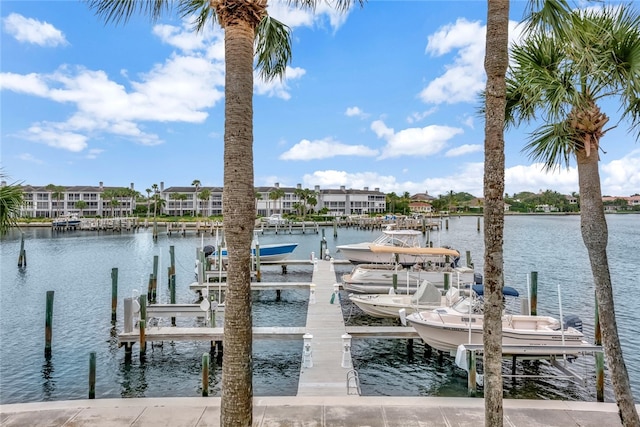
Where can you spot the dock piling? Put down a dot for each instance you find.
(534, 293)
(205, 374)
(92, 375)
(48, 325)
(22, 256)
(114, 294)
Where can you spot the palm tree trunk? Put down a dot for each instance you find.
(495, 63)
(237, 388)
(593, 226)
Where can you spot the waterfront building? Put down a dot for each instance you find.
(44, 202)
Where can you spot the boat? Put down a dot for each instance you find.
(388, 305)
(394, 245)
(428, 296)
(378, 278)
(70, 220)
(447, 327)
(270, 252)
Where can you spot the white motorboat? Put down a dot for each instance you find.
(361, 252)
(445, 328)
(378, 278)
(388, 305)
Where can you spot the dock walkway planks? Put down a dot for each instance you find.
(325, 322)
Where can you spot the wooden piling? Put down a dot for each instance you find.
(478, 226)
(154, 282)
(446, 280)
(92, 375)
(143, 342)
(172, 260)
(205, 374)
(258, 273)
(48, 325)
(22, 256)
(471, 360)
(172, 293)
(534, 293)
(114, 294)
(599, 357)
(469, 261)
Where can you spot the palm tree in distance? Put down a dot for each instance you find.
(205, 195)
(246, 25)
(81, 205)
(568, 62)
(276, 195)
(196, 183)
(155, 189)
(148, 191)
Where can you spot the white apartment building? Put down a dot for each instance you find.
(206, 201)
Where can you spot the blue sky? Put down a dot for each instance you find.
(384, 96)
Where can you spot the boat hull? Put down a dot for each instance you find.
(371, 278)
(272, 252)
(445, 334)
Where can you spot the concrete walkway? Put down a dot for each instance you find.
(318, 411)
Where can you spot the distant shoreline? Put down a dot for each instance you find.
(165, 222)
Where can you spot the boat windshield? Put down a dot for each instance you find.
(464, 303)
(399, 238)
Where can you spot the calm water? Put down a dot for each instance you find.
(77, 266)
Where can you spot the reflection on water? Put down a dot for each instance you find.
(49, 382)
(77, 266)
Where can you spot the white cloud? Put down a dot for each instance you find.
(305, 17)
(413, 141)
(621, 177)
(29, 30)
(57, 138)
(355, 112)
(277, 87)
(535, 177)
(463, 149)
(94, 153)
(464, 78)
(28, 157)
(324, 149)
(419, 116)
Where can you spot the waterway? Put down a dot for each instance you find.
(77, 266)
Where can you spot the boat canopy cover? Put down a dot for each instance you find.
(413, 251)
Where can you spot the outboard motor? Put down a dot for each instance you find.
(477, 278)
(572, 321)
(208, 250)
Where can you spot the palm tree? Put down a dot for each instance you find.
(81, 205)
(246, 25)
(50, 188)
(179, 198)
(57, 193)
(258, 196)
(205, 195)
(495, 64)
(568, 62)
(11, 199)
(155, 189)
(276, 195)
(148, 191)
(196, 183)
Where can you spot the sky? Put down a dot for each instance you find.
(384, 96)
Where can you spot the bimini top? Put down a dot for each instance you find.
(413, 251)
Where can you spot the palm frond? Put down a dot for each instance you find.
(339, 5)
(11, 199)
(546, 16)
(552, 144)
(273, 48)
(120, 11)
(200, 10)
